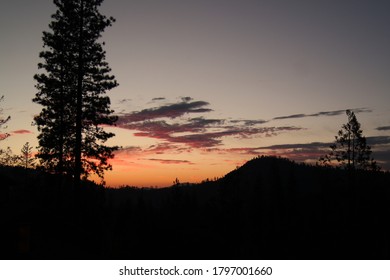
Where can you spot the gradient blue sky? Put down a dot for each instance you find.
(206, 85)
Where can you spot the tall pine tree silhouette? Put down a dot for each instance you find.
(350, 149)
(72, 90)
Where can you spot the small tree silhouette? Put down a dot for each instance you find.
(176, 182)
(27, 157)
(3, 121)
(350, 149)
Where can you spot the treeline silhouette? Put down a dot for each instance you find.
(270, 208)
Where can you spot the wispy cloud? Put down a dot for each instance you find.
(311, 146)
(197, 132)
(187, 99)
(249, 122)
(171, 111)
(158, 149)
(323, 114)
(378, 140)
(3, 136)
(177, 134)
(296, 116)
(166, 123)
(373, 141)
(298, 151)
(311, 152)
(21, 131)
(382, 128)
(164, 148)
(130, 150)
(171, 161)
(125, 100)
(381, 150)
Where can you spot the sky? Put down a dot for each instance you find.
(206, 85)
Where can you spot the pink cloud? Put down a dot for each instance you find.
(199, 132)
(170, 161)
(3, 136)
(21, 131)
(196, 132)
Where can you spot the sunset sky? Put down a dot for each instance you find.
(205, 85)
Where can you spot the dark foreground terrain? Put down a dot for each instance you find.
(269, 208)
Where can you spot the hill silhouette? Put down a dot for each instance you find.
(270, 208)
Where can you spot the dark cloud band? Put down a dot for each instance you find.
(382, 128)
(167, 111)
(323, 114)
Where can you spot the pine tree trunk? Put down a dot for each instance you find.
(60, 168)
(353, 152)
(79, 107)
(349, 148)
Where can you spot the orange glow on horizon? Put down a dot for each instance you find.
(162, 175)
